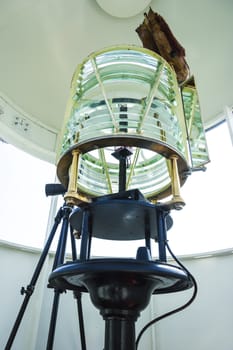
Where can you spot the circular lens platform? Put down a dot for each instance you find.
(114, 278)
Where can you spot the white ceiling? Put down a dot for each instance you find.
(41, 43)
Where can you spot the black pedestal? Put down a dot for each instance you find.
(120, 289)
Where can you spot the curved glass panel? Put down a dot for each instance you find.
(195, 128)
(144, 167)
(141, 97)
(124, 97)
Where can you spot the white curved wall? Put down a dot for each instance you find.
(206, 324)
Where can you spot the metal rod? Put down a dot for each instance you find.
(175, 182)
(73, 245)
(85, 237)
(78, 296)
(73, 172)
(162, 234)
(122, 173)
(147, 233)
(121, 154)
(71, 194)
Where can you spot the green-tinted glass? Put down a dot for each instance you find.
(195, 128)
(124, 96)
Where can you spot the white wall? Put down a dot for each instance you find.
(206, 324)
(16, 269)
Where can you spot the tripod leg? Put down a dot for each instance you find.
(53, 319)
(78, 296)
(30, 288)
(61, 247)
(58, 260)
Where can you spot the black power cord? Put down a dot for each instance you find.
(180, 308)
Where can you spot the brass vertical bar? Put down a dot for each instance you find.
(175, 183)
(74, 172)
(71, 194)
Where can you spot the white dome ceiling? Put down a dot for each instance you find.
(43, 41)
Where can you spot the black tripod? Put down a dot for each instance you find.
(62, 215)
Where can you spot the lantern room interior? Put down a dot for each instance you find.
(116, 132)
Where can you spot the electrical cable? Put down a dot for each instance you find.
(180, 308)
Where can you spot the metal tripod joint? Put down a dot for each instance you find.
(29, 290)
